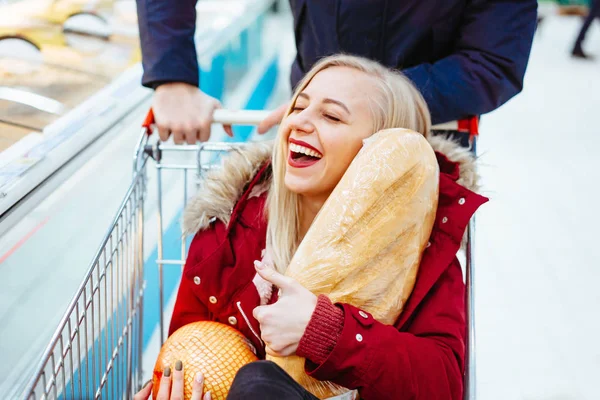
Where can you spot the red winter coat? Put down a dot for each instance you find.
(420, 357)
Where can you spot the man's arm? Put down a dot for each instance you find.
(488, 64)
(167, 31)
(181, 109)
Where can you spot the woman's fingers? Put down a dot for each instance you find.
(165, 385)
(177, 385)
(197, 387)
(207, 396)
(145, 393)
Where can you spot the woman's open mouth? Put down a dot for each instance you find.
(301, 156)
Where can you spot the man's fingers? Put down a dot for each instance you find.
(204, 130)
(177, 385)
(272, 119)
(165, 385)
(197, 387)
(228, 130)
(191, 137)
(178, 136)
(163, 132)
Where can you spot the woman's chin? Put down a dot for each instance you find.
(298, 185)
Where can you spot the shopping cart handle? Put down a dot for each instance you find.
(225, 117)
(254, 117)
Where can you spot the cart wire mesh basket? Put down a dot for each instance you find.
(96, 351)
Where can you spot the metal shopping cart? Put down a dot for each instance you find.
(96, 351)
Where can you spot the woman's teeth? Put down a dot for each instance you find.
(304, 150)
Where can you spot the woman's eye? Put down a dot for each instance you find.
(332, 118)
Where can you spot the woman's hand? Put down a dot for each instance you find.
(283, 324)
(171, 388)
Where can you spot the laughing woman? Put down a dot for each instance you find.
(268, 199)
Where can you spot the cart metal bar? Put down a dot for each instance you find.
(255, 117)
(87, 351)
(171, 262)
(470, 387)
(470, 372)
(160, 251)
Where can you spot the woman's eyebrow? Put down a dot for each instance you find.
(339, 103)
(328, 100)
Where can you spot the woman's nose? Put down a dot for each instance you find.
(301, 121)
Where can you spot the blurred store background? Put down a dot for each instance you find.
(71, 105)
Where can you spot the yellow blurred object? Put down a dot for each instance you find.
(53, 12)
(41, 21)
(38, 35)
(216, 350)
(58, 11)
(365, 245)
(72, 33)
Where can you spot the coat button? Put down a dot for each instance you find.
(428, 244)
(363, 314)
(444, 220)
(232, 320)
(461, 201)
(197, 280)
(212, 299)
(359, 337)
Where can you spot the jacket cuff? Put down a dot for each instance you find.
(322, 331)
(347, 364)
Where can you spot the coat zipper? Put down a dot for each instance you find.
(239, 306)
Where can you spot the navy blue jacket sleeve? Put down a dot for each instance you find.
(487, 65)
(167, 29)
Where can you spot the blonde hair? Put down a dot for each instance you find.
(397, 104)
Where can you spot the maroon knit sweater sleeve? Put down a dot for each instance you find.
(322, 331)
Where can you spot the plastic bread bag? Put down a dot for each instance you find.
(365, 245)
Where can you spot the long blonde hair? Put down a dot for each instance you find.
(397, 104)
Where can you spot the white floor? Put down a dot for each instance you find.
(538, 268)
(538, 272)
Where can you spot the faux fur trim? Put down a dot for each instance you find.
(221, 188)
(464, 157)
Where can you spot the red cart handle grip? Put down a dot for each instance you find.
(148, 122)
(469, 125)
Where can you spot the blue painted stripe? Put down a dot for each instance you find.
(257, 101)
(88, 374)
(171, 274)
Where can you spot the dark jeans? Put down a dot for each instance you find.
(594, 13)
(265, 380)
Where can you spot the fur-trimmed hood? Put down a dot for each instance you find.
(221, 188)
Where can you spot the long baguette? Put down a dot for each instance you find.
(365, 245)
